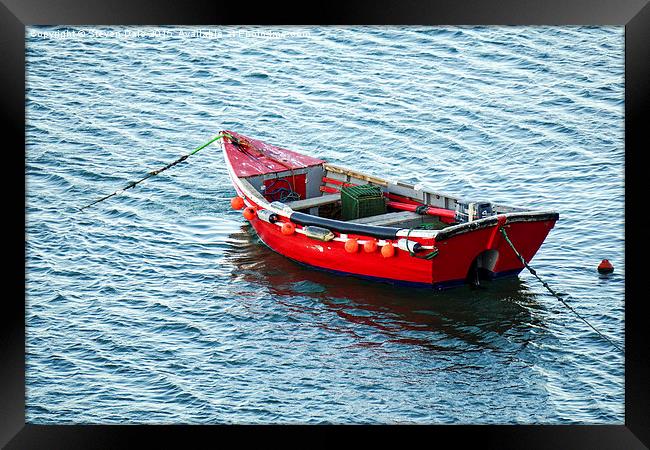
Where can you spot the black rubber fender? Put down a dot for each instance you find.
(345, 227)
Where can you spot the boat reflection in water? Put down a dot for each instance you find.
(500, 315)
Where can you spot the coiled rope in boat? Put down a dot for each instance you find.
(555, 294)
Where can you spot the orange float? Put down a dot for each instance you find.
(370, 246)
(288, 228)
(237, 202)
(605, 266)
(249, 213)
(388, 250)
(351, 246)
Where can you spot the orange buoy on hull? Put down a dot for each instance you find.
(237, 203)
(351, 246)
(370, 246)
(605, 266)
(249, 213)
(287, 228)
(388, 250)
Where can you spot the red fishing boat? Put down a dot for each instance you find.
(352, 223)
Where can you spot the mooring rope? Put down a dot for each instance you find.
(156, 172)
(555, 294)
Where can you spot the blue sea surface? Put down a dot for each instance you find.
(160, 305)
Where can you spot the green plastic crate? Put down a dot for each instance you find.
(361, 201)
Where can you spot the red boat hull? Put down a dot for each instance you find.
(449, 267)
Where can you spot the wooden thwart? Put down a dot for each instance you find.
(388, 218)
(314, 202)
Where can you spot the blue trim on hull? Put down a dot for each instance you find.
(364, 277)
(506, 273)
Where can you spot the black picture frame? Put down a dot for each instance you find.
(15, 15)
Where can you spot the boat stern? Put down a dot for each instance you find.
(479, 248)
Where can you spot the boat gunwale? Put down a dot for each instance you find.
(513, 217)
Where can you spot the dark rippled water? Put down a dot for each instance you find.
(160, 306)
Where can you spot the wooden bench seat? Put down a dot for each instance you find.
(387, 219)
(314, 202)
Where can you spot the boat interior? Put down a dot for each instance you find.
(315, 190)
